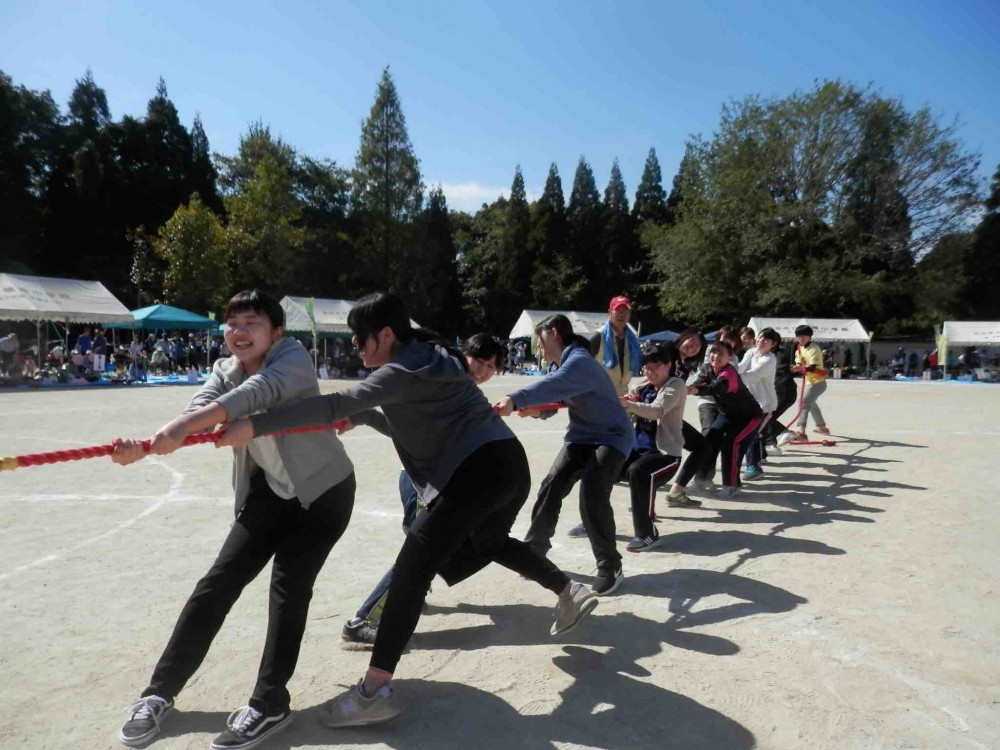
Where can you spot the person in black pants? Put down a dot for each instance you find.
(294, 497)
(598, 439)
(465, 462)
(788, 393)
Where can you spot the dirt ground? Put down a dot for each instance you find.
(847, 600)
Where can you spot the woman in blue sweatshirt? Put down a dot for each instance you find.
(598, 440)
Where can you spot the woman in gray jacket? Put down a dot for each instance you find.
(294, 496)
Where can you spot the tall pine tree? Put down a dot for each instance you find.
(514, 279)
(584, 219)
(388, 191)
(620, 244)
(553, 281)
(650, 199)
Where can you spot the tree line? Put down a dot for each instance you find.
(836, 201)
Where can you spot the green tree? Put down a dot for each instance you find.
(202, 174)
(478, 248)
(554, 281)
(626, 272)
(811, 204)
(983, 290)
(515, 262)
(650, 199)
(387, 190)
(148, 268)
(257, 144)
(327, 265)
(88, 107)
(942, 282)
(192, 244)
(29, 130)
(264, 233)
(584, 219)
(440, 307)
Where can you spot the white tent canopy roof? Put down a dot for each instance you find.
(972, 332)
(582, 322)
(39, 298)
(331, 315)
(824, 329)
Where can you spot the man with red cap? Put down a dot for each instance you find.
(616, 346)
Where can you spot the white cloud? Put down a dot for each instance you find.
(470, 196)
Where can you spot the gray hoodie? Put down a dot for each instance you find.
(436, 415)
(315, 461)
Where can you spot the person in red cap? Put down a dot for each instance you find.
(616, 346)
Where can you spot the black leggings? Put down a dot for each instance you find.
(464, 528)
(267, 527)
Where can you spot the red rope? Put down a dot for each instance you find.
(77, 454)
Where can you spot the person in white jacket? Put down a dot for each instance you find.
(757, 369)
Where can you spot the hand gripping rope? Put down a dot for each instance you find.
(9, 463)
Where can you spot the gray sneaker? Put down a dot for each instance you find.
(144, 717)
(355, 709)
(573, 607)
(577, 532)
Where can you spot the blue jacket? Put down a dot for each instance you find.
(596, 416)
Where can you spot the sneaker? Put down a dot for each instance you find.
(355, 709)
(572, 608)
(577, 532)
(606, 582)
(823, 430)
(727, 491)
(774, 450)
(681, 500)
(358, 634)
(785, 438)
(643, 543)
(144, 717)
(753, 472)
(249, 727)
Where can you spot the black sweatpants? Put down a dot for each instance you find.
(697, 447)
(775, 427)
(267, 527)
(646, 473)
(596, 467)
(464, 528)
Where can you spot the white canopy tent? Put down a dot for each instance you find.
(584, 323)
(330, 314)
(40, 299)
(972, 332)
(966, 333)
(824, 329)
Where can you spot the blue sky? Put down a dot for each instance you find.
(488, 86)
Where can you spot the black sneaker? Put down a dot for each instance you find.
(249, 727)
(144, 717)
(358, 634)
(606, 582)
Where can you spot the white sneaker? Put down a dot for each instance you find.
(727, 491)
(774, 450)
(573, 607)
(355, 709)
(785, 438)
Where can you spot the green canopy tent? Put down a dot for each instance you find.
(166, 317)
